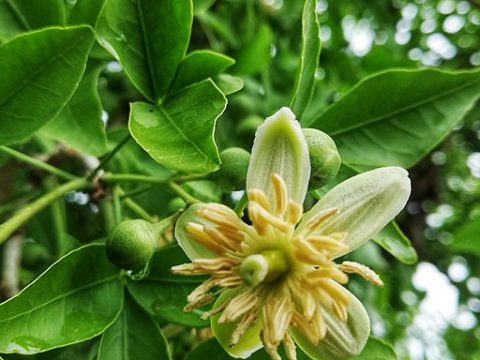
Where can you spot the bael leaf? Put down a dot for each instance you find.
(79, 124)
(75, 299)
(85, 12)
(48, 67)
(133, 332)
(163, 294)
(17, 16)
(179, 134)
(228, 84)
(309, 57)
(465, 238)
(199, 65)
(393, 240)
(149, 38)
(376, 349)
(396, 117)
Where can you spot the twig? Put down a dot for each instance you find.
(12, 255)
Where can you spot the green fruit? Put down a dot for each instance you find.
(324, 158)
(132, 244)
(233, 172)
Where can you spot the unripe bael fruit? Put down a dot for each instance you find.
(132, 244)
(324, 158)
(233, 171)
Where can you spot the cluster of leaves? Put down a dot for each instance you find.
(74, 66)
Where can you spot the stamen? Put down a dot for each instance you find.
(335, 291)
(321, 218)
(221, 238)
(294, 212)
(231, 281)
(241, 328)
(215, 310)
(201, 290)
(199, 302)
(197, 232)
(305, 252)
(365, 272)
(267, 218)
(258, 196)
(241, 304)
(327, 243)
(280, 195)
(289, 347)
(219, 219)
(270, 349)
(332, 272)
(340, 311)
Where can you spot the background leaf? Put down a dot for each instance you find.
(309, 56)
(48, 67)
(376, 349)
(80, 124)
(67, 304)
(133, 335)
(17, 16)
(399, 116)
(164, 295)
(140, 34)
(199, 65)
(466, 237)
(179, 133)
(392, 239)
(86, 12)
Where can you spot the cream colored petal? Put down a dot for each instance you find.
(343, 339)
(366, 203)
(280, 148)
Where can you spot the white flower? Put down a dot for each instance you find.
(277, 276)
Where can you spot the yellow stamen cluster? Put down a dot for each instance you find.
(300, 296)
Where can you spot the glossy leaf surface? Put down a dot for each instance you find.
(79, 124)
(48, 67)
(179, 134)
(376, 349)
(133, 333)
(400, 115)
(140, 34)
(75, 299)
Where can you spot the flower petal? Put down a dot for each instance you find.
(191, 247)
(249, 342)
(366, 204)
(280, 148)
(342, 340)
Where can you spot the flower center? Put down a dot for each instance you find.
(267, 266)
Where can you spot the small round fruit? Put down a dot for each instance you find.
(132, 244)
(324, 158)
(233, 172)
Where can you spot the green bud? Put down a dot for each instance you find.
(233, 172)
(132, 244)
(324, 158)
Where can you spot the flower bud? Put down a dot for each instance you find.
(132, 244)
(233, 172)
(324, 158)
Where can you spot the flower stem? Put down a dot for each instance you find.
(37, 163)
(31, 209)
(189, 199)
(134, 178)
(241, 205)
(108, 157)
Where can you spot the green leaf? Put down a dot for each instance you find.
(305, 80)
(255, 56)
(376, 349)
(17, 16)
(200, 6)
(466, 239)
(197, 66)
(149, 38)
(133, 332)
(393, 240)
(86, 12)
(79, 124)
(48, 67)
(398, 116)
(228, 84)
(180, 133)
(75, 299)
(164, 295)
